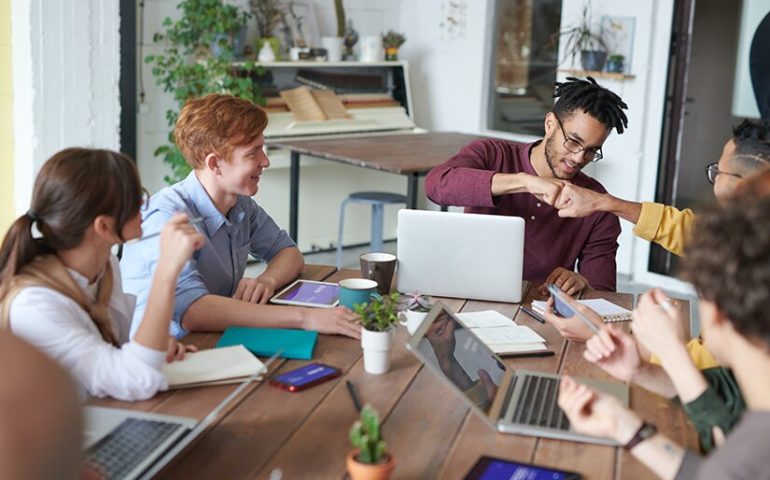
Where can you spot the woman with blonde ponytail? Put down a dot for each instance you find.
(60, 286)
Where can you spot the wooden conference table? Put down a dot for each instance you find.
(412, 155)
(429, 430)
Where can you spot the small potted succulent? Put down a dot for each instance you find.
(391, 42)
(616, 63)
(368, 460)
(377, 319)
(414, 308)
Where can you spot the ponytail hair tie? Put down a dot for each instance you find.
(32, 215)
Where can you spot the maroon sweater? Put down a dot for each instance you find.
(549, 241)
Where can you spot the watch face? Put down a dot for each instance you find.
(647, 431)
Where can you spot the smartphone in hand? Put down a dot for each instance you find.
(305, 377)
(560, 306)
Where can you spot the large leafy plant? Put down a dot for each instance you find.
(189, 67)
(582, 35)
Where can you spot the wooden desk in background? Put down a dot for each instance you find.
(412, 155)
(429, 430)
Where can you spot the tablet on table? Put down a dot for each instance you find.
(309, 293)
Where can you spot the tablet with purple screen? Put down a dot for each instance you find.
(490, 468)
(309, 293)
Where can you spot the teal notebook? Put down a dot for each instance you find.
(264, 342)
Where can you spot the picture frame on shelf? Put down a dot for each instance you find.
(619, 35)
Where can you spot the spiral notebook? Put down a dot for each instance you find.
(609, 311)
(212, 367)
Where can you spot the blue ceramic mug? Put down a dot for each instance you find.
(354, 291)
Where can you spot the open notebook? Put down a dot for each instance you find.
(210, 367)
(502, 334)
(609, 311)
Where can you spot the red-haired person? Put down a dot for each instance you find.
(222, 139)
(61, 290)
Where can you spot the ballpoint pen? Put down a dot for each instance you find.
(193, 221)
(533, 314)
(354, 395)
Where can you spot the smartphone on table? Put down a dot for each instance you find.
(491, 468)
(305, 377)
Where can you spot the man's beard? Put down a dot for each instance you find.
(551, 163)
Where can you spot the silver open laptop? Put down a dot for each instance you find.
(463, 255)
(520, 402)
(124, 444)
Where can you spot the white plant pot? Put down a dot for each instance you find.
(412, 319)
(377, 347)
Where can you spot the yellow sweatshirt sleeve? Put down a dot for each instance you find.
(665, 225)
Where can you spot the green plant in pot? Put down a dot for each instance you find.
(188, 68)
(391, 42)
(378, 317)
(268, 15)
(587, 39)
(368, 460)
(616, 63)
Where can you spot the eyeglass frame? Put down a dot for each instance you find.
(714, 166)
(145, 200)
(598, 154)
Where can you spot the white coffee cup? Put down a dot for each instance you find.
(333, 47)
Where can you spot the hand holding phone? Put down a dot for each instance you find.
(562, 307)
(305, 377)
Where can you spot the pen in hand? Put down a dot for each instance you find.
(193, 221)
(354, 395)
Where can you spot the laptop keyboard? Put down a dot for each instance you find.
(128, 445)
(537, 405)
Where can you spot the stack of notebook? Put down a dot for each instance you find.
(211, 367)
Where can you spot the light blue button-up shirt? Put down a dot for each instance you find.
(214, 269)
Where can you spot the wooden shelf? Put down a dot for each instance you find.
(586, 73)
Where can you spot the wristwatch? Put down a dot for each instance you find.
(645, 431)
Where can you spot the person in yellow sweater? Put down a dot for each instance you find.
(745, 153)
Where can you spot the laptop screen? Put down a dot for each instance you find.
(465, 361)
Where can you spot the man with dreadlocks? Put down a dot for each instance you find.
(501, 177)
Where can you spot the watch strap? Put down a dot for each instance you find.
(645, 431)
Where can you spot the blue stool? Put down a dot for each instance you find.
(377, 200)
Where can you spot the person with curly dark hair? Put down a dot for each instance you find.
(728, 262)
(500, 177)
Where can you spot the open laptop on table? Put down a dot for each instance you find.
(124, 444)
(461, 255)
(510, 401)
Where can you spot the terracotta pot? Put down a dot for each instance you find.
(363, 471)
